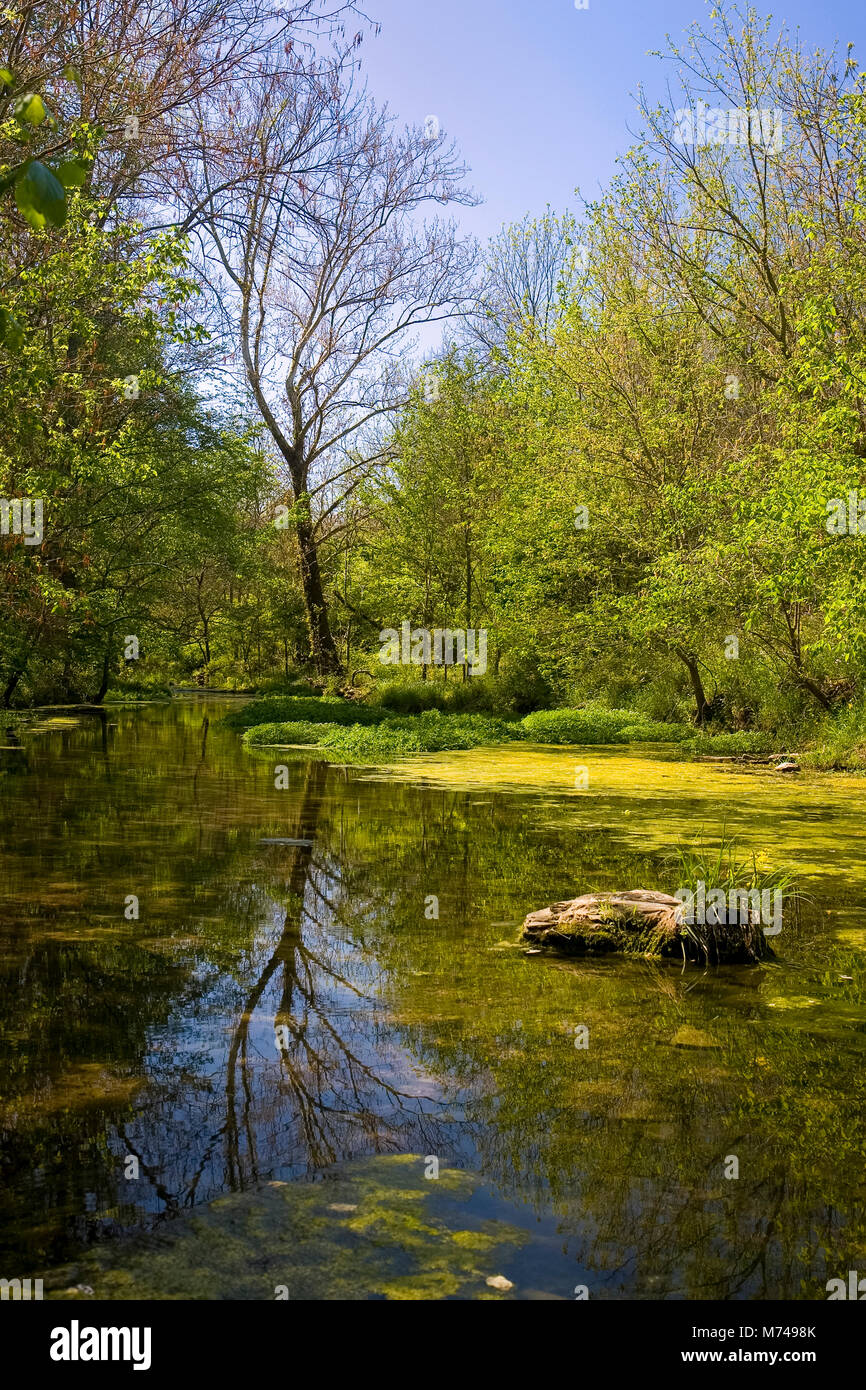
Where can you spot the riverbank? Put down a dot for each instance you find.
(359, 731)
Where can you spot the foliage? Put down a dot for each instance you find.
(280, 709)
(430, 732)
(596, 724)
(727, 744)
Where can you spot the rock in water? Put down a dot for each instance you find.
(641, 922)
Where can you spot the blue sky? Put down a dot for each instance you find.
(539, 96)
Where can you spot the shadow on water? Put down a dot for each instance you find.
(211, 985)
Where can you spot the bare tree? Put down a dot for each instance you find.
(529, 268)
(329, 268)
(138, 71)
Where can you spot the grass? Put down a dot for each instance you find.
(721, 866)
(510, 693)
(728, 744)
(430, 732)
(280, 709)
(597, 724)
(353, 730)
(836, 756)
(840, 744)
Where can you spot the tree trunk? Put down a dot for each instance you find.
(106, 674)
(323, 648)
(815, 690)
(468, 596)
(701, 701)
(10, 686)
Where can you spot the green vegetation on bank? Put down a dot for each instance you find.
(430, 732)
(728, 745)
(357, 731)
(354, 730)
(596, 724)
(283, 709)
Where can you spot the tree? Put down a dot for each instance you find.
(529, 270)
(330, 272)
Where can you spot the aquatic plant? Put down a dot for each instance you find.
(375, 1228)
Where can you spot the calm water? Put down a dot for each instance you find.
(280, 1012)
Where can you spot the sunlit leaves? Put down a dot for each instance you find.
(11, 332)
(40, 196)
(29, 109)
(72, 173)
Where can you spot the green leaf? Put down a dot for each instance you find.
(72, 74)
(72, 173)
(6, 78)
(40, 196)
(11, 332)
(29, 109)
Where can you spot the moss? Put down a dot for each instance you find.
(582, 938)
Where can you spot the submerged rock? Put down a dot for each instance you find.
(640, 922)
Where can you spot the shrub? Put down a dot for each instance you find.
(654, 733)
(520, 687)
(297, 731)
(292, 709)
(840, 742)
(404, 697)
(394, 738)
(513, 691)
(137, 690)
(735, 743)
(431, 732)
(281, 686)
(593, 724)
